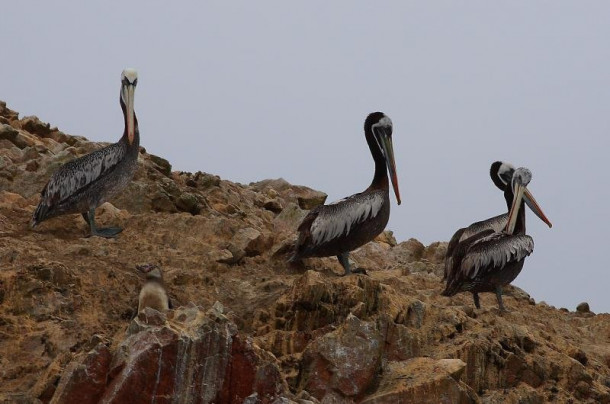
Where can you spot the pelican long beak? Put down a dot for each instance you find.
(514, 209)
(130, 91)
(533, 205)
(388, 153)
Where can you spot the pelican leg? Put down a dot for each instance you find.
(107, 232)
(499, 297)
(475, 297)
(344, 260)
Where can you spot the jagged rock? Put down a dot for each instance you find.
(289, 218)
(273, 205)
(224, 256)
(7, 132)
(435, 252)
(7, 113)
(162, 165)
(162, 202)
(387, 237)
(407, 251)
(583, 307)
(249, 242)
(279, 185)
(84, 381)
(34, 125)
(422, 381)
(344, 361)
(203, 180)
(188, 202)
(522, 394)
(311, 200)
(162, 359)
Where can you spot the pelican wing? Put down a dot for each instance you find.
(495, 251)
(339, 218)
(77, 174)
(496, 223)
(451, 248)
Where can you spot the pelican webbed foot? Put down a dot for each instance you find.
(106, 232)
(344, 260)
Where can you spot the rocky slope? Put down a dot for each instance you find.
(248, 327)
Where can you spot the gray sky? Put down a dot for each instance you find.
(254, 90)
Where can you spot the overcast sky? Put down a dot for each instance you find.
(255, 90)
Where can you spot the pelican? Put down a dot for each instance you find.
(501, 174)
(342, 226)
(81, 185)
(488, 260)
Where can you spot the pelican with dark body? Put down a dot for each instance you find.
(489, 260)
(81, 185)
(501, 174)
(342, 226)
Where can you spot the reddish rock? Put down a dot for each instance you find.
(84, 382)
(196, 356)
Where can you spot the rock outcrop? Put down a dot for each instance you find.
(247, 327)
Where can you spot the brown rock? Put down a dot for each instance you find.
(204, 180)
(273, 205)
(289, 218)
(161, 165)
(407, 251)
(311, 200)
(224, 256)
(387, 237)
(188, 202)
(279, 185)
(435, 252)
(249, 242)
(35, 126)
(422, 381)
(583, 307)
(7, 132)
(345, 360)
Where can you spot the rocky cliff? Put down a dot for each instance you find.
(247, 327)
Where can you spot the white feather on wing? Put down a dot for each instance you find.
(339, 218)
(496, 223)
(80, 172)
(495, 250)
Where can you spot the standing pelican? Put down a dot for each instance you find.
(81, 185)
(487, 261)
(501, 174)
(343, 226)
